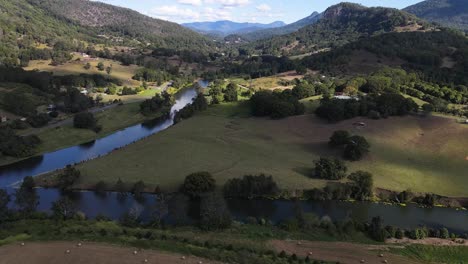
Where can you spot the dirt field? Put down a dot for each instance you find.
(55, 252)
(345, 253)
(429, 241)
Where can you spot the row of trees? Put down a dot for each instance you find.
(199, 104)
(359, 187)
(275, 104)
(374, 106)
(17, 146)
(156, 104)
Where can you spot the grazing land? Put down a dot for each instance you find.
(423, 154)
(111, 120)
(119, 71)
(55, 252)
(340, 252)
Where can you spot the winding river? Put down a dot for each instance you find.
(114, 205)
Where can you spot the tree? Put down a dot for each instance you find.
(109, 70)
(214, 213)
(100, 66)
(64, 208)
(26, 197)
(68, 178)
(87, 66)
(362, 185)
(138, 189)
(444, 233)
(230, 94)
(120, 187)
(4, 200)
(376, 230)
(198, 183)
(251, 186)
(85, 120)
(160, 210)
(339, 138)
(330, 169)
(356, 148)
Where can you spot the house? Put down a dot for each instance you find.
(3, 119)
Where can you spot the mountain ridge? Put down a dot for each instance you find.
(227, 27)
(450, 13)
(341, 24)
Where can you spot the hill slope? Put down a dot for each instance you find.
(450, 13)
(108, 19)
(267, 33)
(339, 25)
(226, 27)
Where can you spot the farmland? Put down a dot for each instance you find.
(423, 154)
(119, 71)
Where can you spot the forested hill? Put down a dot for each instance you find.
(25, 28)
(339, 25)
(270, 32)
(450, 13)
(115, 20)
(437, 57)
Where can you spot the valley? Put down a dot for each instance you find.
(200, 132)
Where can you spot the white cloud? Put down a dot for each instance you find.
(190, 2)
(229, 2)
(169, 12)
(263, 8)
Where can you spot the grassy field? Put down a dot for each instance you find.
(111, 120)
(422, 154)
(119, 71)
(435, 254)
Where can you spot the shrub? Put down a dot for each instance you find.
(399, 234)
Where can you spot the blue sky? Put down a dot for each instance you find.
(263, 11)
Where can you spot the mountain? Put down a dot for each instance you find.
(449, 13)
(267, 33)
(340, 24)
(437, 56)
(122, 22)
(226, 27)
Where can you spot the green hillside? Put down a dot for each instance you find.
(113, 20)
(450, 13)
(341, 24)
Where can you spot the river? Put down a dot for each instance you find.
(113, 206)
(14, 173)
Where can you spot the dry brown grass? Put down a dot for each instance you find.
(55, 253)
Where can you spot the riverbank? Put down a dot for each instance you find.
(240, 243)
(421, 154)
(64, 135)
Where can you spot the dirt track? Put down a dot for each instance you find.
(345, 253)
(88, 253)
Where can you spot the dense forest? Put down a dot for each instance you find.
(449, 13)
(340, 25)
(426, 53)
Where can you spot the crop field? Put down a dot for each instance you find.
(119, 71)
(425, 154)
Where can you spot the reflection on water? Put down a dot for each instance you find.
(113, 205)
(14, 173)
